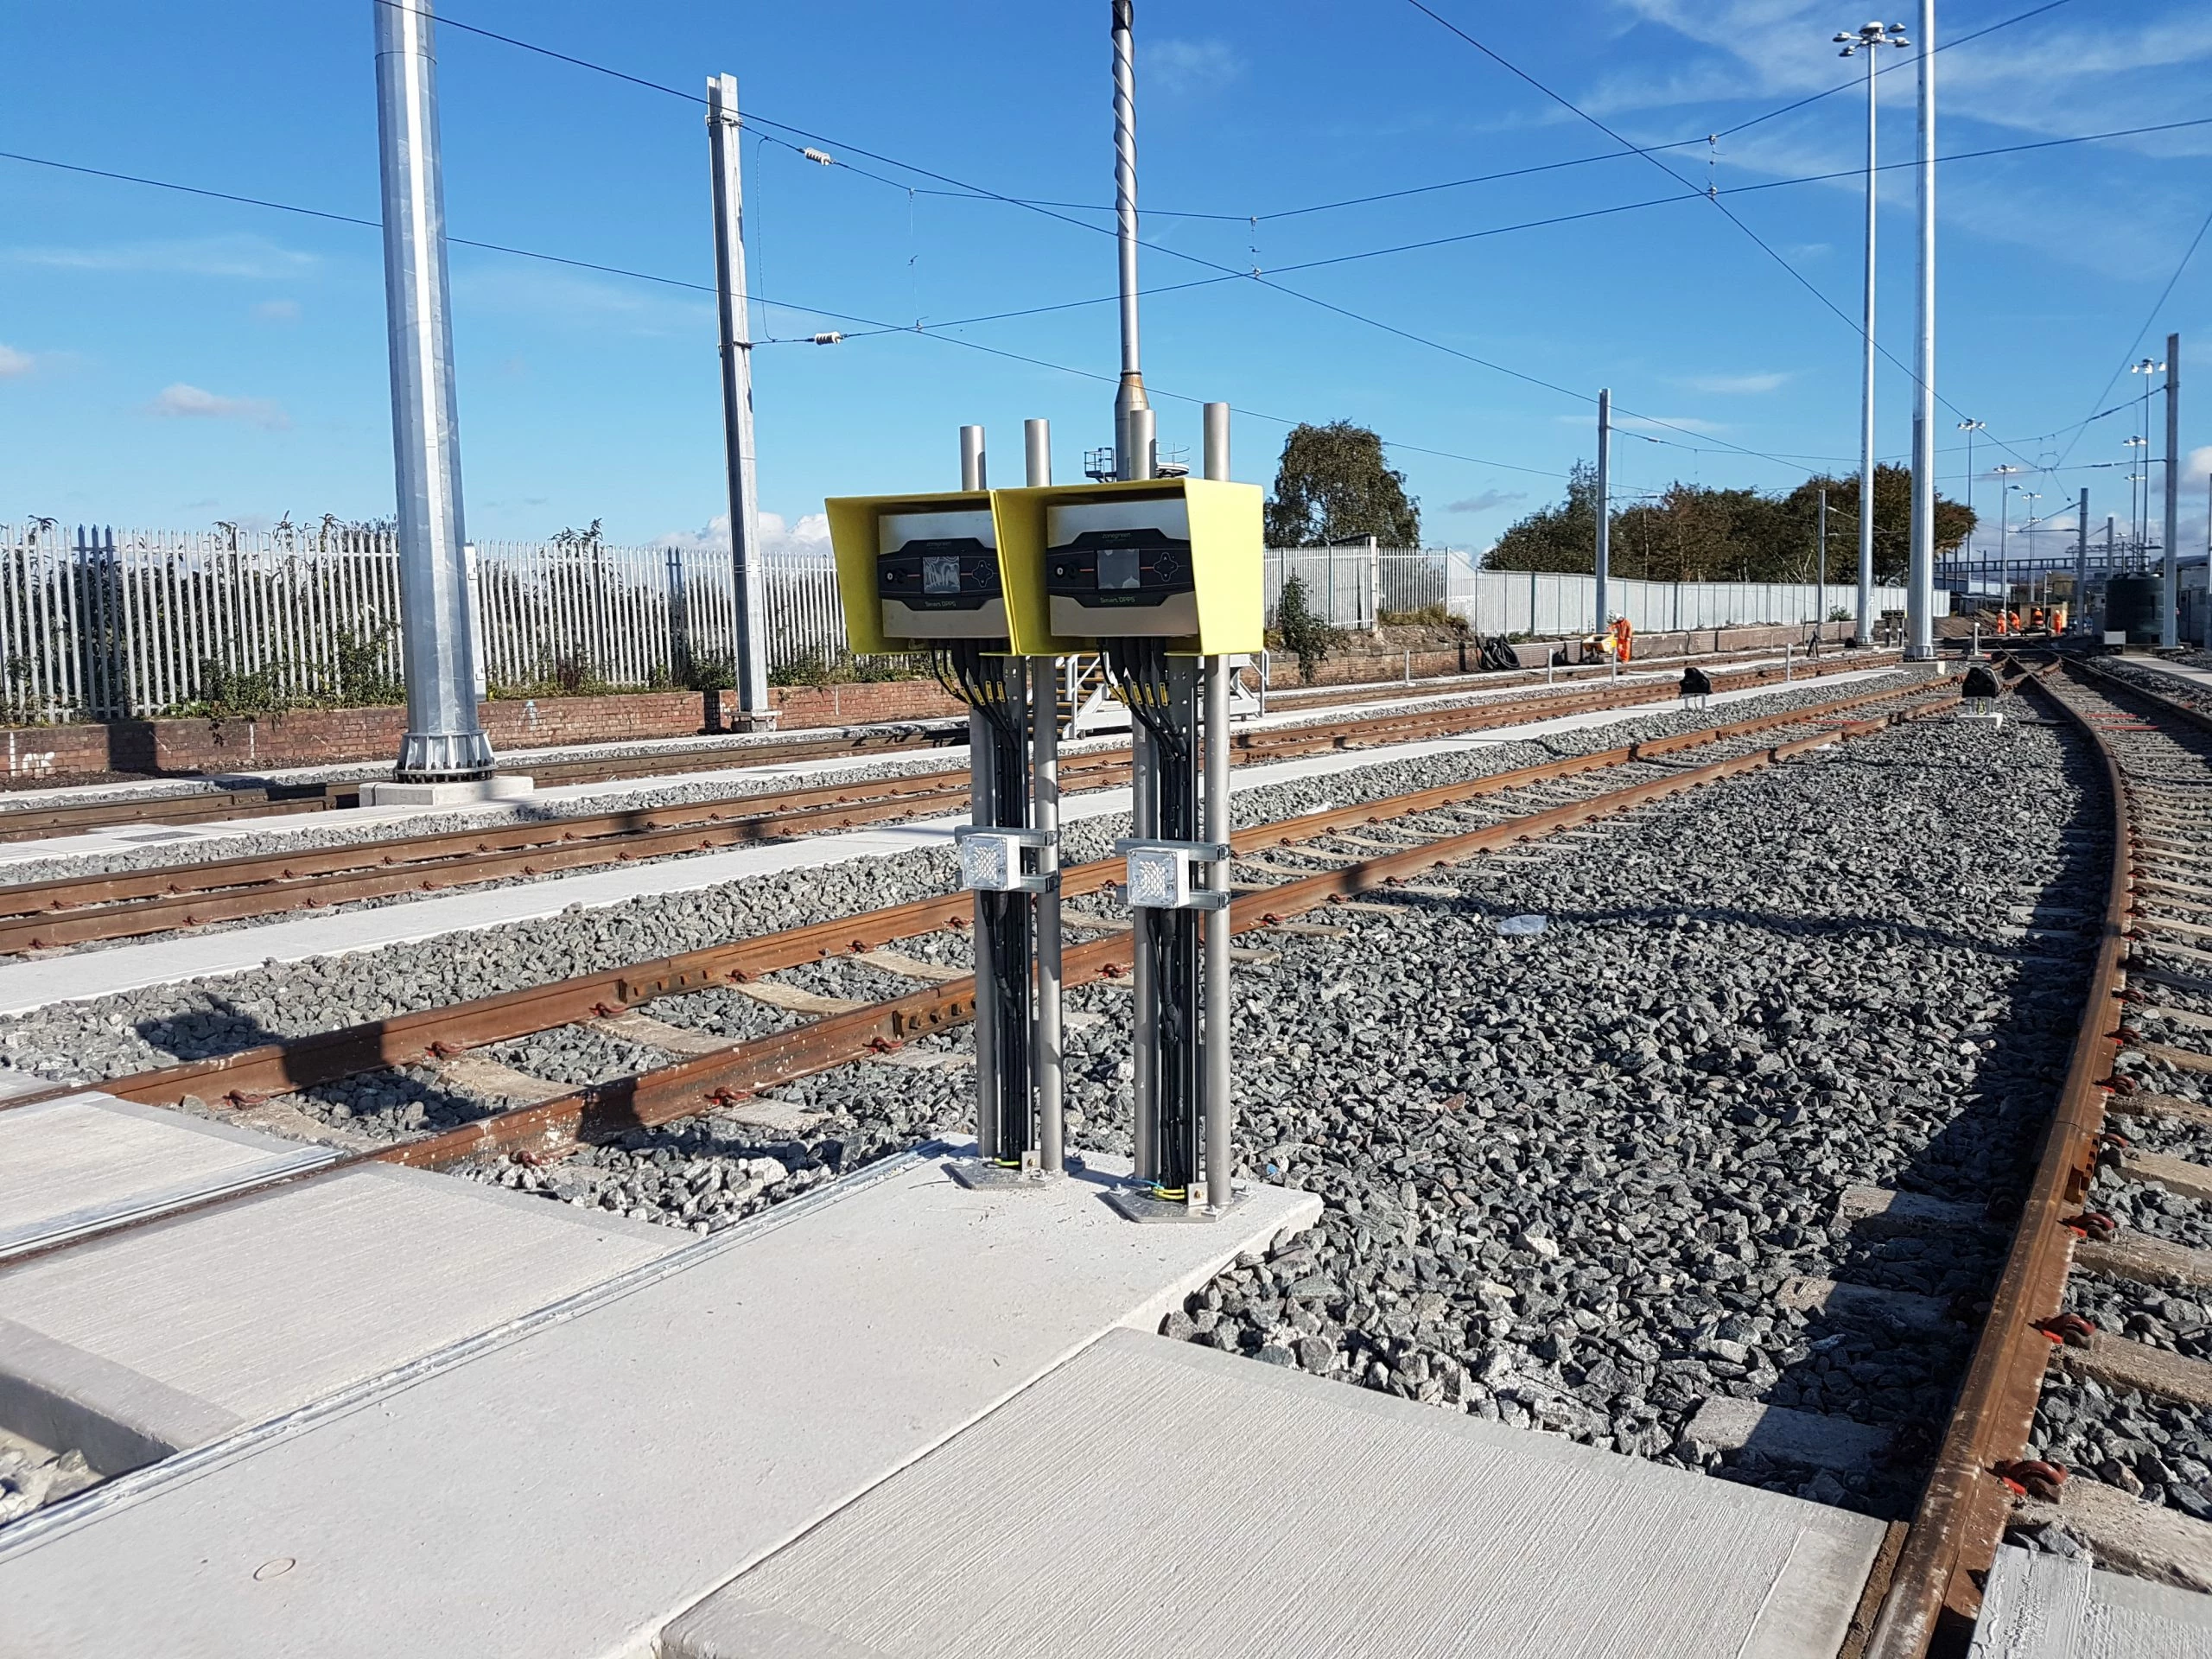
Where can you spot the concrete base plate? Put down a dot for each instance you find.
(1138, 1204)
(978, 1176)
(565, 1490)
(1215, 1503)
(474, 792)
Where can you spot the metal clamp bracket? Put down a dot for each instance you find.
(1159, 875)
(991, 861)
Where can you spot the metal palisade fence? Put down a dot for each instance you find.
(1347, 585)
(102, 624)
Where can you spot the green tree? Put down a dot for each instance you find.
(1694, 533)
(1303, 631)
(1955, 521)
(1333, 486)
(1562, 537)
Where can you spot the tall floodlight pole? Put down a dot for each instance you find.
(1820, 580)
(1970, 427)
(1919, 577)
(1602, 564)
(1863, 43)
(726, 141)
(1133, 416)
(444, 742)
(2170, 608)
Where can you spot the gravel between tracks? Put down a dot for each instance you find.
(1564, 1178)
(138, 1030)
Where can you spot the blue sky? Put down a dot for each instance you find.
(168, 360)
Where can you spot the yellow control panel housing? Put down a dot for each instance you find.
(1177, 559)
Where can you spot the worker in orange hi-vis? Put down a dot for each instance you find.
(1624, 638)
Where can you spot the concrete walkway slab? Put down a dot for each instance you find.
(88, 1159)
(2041, 1606)
(568, 1488)
(168, 1336)
(1155, 1491)
(27, 985)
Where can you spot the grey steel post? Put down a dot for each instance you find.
(1144, 820)
(1920, 575)
(1047, 1041)
(1144, 444)
(2080, 617)
(1863, 625)
(725, 142)
(444, 740)
(1220, 1108)
(1603, 562)
(1128, 394)
(1214, 447)
(1821, 580)
(1220, 1120)
(2170, 608)
(982, 809)
(1037, 452)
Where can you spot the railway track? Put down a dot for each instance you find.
(2129, 1134)
(32, 820)
(86, 909)
(1285, 871)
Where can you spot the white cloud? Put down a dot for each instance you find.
(253, 257)
(1177, 67)
(1487, 500)
(277, 310)
(14, 363)
(2198, 463)
(1737, 385)
(572, 300)
(1648, 424)
(810, 535)
(181, 402)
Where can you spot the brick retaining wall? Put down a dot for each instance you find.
(309, 737)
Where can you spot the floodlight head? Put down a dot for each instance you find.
(1840, 36)
(1899, 39)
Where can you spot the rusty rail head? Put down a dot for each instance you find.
(692, 1087)
(324, 1057)
(1961, 1519)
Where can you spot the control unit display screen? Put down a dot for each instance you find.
(1121, 568)
(937, 576)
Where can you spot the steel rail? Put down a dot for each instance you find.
(1937, 1587)
(693, 1086)
(33, 822)
(249, 1075)
(724, 1075)
(77, 910)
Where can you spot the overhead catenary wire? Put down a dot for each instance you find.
(2156, 306)
(873, 325)
(1763, 245)
(1266, 280)
(1699, 443)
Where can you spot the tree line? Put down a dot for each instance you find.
(1693, 532)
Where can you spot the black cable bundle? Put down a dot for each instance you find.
(1005, 916)
(1139, 669)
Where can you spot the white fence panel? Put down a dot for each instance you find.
(104, 624)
